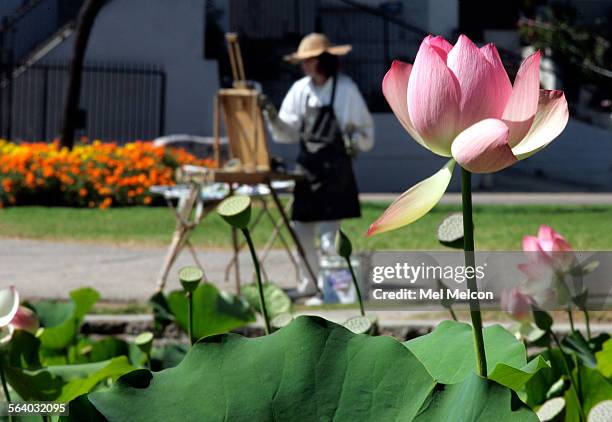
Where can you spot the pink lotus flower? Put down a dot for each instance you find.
(25, 319)
(549, 257)
(14, 317)
(547, 242)
(9, 304)
(517, 304)
(457, 101)
(548, 249)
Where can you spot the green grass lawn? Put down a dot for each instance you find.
(497, 227)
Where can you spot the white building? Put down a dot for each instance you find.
(155, 65)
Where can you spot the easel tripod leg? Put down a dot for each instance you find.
(296, 241)
(174, 249)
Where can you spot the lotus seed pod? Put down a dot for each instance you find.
(450, 231)
(144, 341)
(343, 245)
(551, 409)
(601, 412)
(358, 324)
(282, 320)
(236, 211)
(190, 277)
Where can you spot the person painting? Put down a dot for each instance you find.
(325, 112)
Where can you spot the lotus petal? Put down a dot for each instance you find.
(503, 87)
(415, 202)
(483, 147)
(9, 303)
(433, 100)
(482, 96)
(441, 46)
(6, 334)
(523, 103)
(551, 241)
(531, 244)
(550, 120)
(395, 88)
(25, 319)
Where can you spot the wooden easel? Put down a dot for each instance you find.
(235, 56)
(247, 139)
(245, 128)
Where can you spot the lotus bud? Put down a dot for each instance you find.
(517, 304)
(343, 245)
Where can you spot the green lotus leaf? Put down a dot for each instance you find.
(595, 388)
(214, 312)
(23, 350)
(475, 399)
(576, 344)
(88, 350)
(312, 369)
(168, 355)
(448, 354)
(277, 301)
(61, 321)
(604, 359)
(62, 383)
(546, 380)
(515, 378)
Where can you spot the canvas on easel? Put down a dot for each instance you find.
(244, 127)
(242, 115)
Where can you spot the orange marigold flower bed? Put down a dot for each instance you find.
(90, 175)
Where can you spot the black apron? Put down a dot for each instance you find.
(329, 190)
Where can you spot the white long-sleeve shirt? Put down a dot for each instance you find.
(350, 109)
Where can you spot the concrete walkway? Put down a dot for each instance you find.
(51, 269)
(43, 269)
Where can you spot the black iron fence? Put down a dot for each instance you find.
(119, 102)
(377, 38)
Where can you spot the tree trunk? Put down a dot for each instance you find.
(86, 19)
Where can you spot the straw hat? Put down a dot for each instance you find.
(314, 45)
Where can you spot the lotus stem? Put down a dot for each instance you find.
(568, 371)
(452, 313)
(148, 361)
(262, 301)
(361, 309)
(190, 316)
(587, 322)
(571, 317)
(468, 247)
(578, 380)
(5, 388)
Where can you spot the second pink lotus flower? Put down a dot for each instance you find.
(14, 317)
(457, 101)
